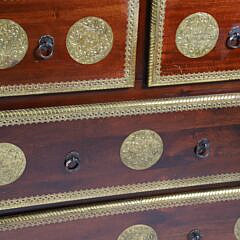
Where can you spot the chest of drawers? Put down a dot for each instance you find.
(119, 120)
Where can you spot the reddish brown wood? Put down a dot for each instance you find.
(140, 91)
(220, 59)
(215, 221)
(99, 142)
(55, 18)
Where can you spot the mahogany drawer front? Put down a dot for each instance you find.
(213, 214)
(189, 45)
(99, 142)
(94, 45)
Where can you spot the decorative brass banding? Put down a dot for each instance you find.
(89, 40)
(141, 149)
(197, 35)
(237, 229)
(13, 43)
(12, 163)
(114, 208)
(137, 232)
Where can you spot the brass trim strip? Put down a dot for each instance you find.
(97, 84)
(116, 208)
(117, 109)
(155, 56)
(117, 191)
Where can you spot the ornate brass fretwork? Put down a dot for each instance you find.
(12, 163)
(137, 232)
(116, 208)
(13, 43)
(126, 81)
(141, 149)
(197, 35)
(89, 40)
(156, 50)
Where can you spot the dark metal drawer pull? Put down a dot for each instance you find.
(195, 235)
(233, 40)
(45, 49)
(202, 149)
(72, 162)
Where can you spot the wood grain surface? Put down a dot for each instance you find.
(99, 142)
(220, 58)
(140, 91)
(55, 18)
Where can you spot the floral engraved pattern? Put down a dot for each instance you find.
(13, 43)
(90, 40)
(141, 150)
(197, 35)
(12, 163)
(137, 232)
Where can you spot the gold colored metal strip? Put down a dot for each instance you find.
(117, 109)
(97, 84)
(116, 208)
(116, 191)
(155, 56)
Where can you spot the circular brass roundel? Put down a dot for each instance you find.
(138, 232)
(13, 43)
(141, 150)
(197, 35)
(89, 40)
(237, 229)
(12, 163)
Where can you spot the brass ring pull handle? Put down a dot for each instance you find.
(195, 235)
(72, 162)
(202, 150)
(45, 49)
(233, 40)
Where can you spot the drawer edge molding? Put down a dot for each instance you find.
(69, 214)
(87, 194)
(127, 81)
(117, 109)
(155, 77)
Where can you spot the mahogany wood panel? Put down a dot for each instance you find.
(99, 142)
(55, 18)
(215, 221)
(220, 58)
(140, 91)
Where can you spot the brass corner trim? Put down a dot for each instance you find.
(76, 213)
(104, 192)
(117, 109)
(155, 56)
(127, 81)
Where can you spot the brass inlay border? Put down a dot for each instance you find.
(156, 48)
(116, 208)
(116, 191)
(89, 85)
(117, 109)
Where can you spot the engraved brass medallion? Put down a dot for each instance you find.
(197, 35)
(138, 232)
(12, 163)
(89, 40)
(141, 150)
(237, 229)
(13, 43)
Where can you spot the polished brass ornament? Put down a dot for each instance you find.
(89, 40)
(197, 35)
(141, 149)
(237, 229)
(12, 163)
(137, 232)
(13, 43)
